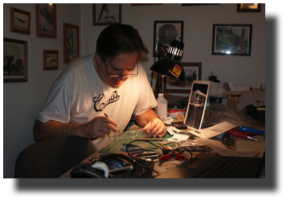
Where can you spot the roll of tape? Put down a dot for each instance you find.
(102, 166)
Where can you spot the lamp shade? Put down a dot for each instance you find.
(169, 67)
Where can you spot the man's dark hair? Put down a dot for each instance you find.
(119, 38)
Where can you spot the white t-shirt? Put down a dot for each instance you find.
(78, 95)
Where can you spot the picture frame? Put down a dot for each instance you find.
(20, 21)
(197, 105)
(70, 42)
(50, 59)
(15, 60)
(46, 20)
(163, 39)
(106, 14)
(192, 72)
(232, 39)
(248, 7)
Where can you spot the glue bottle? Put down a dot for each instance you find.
(162, 107)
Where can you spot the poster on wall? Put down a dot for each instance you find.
(15, 60)
(106, 14)
(164, 33)
(232, 39)
(46, 23)
(70, 42)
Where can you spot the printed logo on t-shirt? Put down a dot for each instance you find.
(100, 106)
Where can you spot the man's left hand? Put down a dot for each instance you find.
(155, 128)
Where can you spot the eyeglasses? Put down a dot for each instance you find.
(116, 73)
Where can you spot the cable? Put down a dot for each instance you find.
(164, 151)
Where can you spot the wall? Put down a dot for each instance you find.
(197, 36)
(23, 100)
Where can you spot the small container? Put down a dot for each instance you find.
(162, 107)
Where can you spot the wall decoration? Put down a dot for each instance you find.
(248, 7)
(70, 42)
(106, 14)
(164, 33)
(50, 59)
(20, 21)
(192, 72)
(15, 60)
(231, 39)
(46, 19)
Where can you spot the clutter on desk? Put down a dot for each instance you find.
(194, 145)
(219, 113)
(177, 114)
(240, 96)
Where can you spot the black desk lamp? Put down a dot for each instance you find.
(169, 66)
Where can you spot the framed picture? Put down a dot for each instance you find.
(232, 39)
(20, 21)
(192, 72)
(70, 42)
(197, 104)
(46, 25)
(248, 7)
(106, 14)
(164, 33)
(15, 60)
(50, 59)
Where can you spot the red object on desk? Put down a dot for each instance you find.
(171, 156)
(241, 134)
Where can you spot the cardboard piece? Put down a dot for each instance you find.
(249, 97)
(248, 145)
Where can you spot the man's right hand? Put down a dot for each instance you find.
(98, 127)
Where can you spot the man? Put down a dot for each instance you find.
(97, 94)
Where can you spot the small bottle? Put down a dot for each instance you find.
(162, 107)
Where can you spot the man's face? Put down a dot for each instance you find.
(113, 70)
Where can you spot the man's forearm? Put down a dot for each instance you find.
(145, 117)
(55, 129)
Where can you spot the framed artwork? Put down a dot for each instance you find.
(106, 14)
(20, 21)
(197, 104)
(248, 7)
(192, 72)
(50, 59)
(70, 42)
(164, 33)
(231, 39)
(15, 60)
(46, 20)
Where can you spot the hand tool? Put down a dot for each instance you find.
(163, 145)
(150, 139)
(251, 130)
(117, 128)
(172, 156)
(132, 148)
(145, 153)
(241, 134)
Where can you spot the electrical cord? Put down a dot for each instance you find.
(164, 151)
